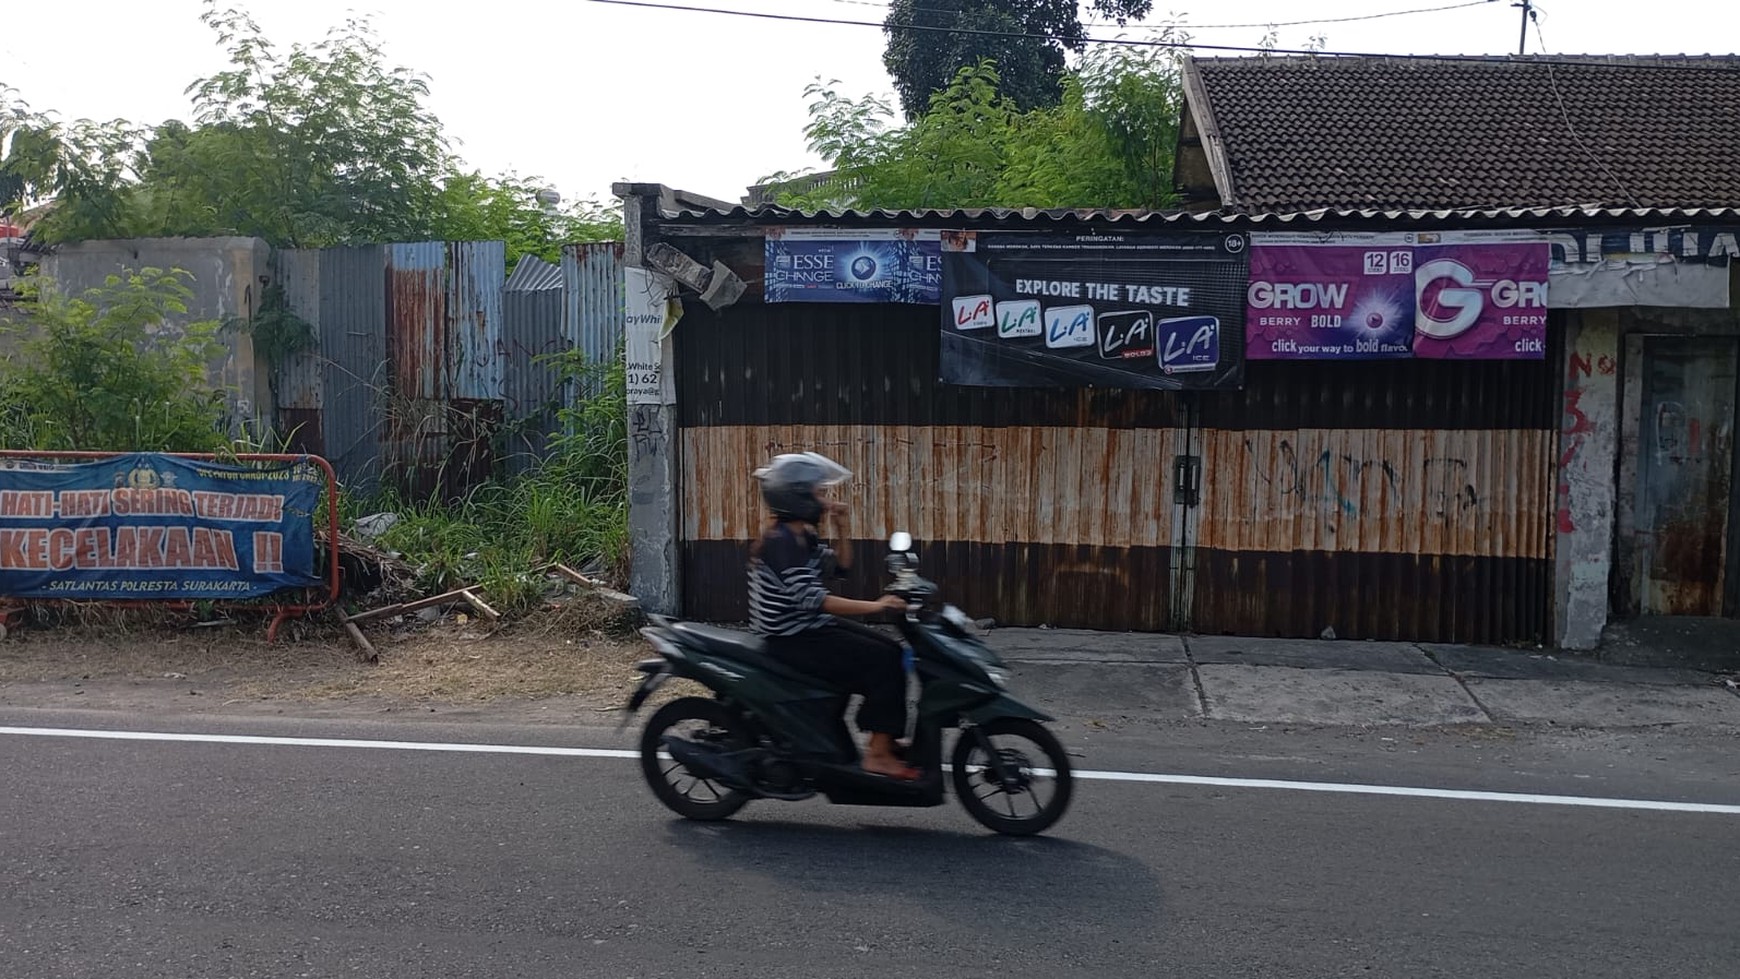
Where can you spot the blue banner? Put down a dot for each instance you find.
(148, 526)
(821, 266)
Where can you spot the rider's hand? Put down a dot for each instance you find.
(891, 603)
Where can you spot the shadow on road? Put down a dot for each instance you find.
(971, 880)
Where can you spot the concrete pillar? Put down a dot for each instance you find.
(654, 501)
(1588, 450)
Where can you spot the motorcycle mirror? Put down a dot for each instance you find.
(901, 542)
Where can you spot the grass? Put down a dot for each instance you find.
(503, 534)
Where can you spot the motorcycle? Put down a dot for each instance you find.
(771, 732)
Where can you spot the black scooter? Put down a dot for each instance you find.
(771, 732)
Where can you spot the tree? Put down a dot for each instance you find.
(923, 62)
(1108, 143)
(318, 145)
(474, 207)
(108, 371)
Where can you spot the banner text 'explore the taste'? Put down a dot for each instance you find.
(1136, 310)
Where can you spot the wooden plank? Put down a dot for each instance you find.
(575, 576)
(365, 650)
(387, 611)
(478, 604)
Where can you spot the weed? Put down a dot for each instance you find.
(571, 508)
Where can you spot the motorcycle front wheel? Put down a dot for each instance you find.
(705, 722)
(1028, 792)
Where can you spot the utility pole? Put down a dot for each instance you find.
(1528, 11)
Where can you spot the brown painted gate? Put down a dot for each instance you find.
(1384, 500)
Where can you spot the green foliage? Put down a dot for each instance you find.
(277, 331)
(473, 207)
(108, 371)
(923, 62)
(572, 509)
(1109, 143)
(317, 145)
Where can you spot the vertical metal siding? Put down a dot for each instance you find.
(1402, 500)
(416, 308)
(532, 387)
(1030, 506)
(593, 314)
(472, 319)
(299, 378)
(1409, 500)
(352, 316)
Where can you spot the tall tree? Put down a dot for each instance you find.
(1025, 38)
(1108, 143)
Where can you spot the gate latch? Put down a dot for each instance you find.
(1187, 480)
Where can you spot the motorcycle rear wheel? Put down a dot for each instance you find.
(1045, 762)
(681, 791)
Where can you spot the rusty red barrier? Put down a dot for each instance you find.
(280, 612)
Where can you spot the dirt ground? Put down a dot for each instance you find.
(556, 664)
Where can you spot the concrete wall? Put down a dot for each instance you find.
(1598, 450)
(227, 280)
(1588, 444)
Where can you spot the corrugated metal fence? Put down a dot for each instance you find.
(433, 370)
(1402, 500)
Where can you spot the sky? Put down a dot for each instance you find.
(582, 94)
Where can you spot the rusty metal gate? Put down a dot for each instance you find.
(1404, 500)
(1683, 561)
(1407, 500)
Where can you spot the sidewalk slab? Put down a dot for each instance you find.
(1082, 646)
(1151, 691)
(1510, 664)
(1584, 703)
(1315, 654)
(1291, 695)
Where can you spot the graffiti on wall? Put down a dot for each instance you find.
(1575, 428)
(1340, 482)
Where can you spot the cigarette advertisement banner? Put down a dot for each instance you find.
(147, 526)
(1133, 310)
(1447, 296)
(1481, 300)
(819, 265)
(1312, 301)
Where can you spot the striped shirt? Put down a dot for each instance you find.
(785, 583)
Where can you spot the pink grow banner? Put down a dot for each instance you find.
(1481, 300)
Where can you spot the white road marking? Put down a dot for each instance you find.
(1342, 788)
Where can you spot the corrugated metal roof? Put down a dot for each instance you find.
(532, 274)
(774, 214)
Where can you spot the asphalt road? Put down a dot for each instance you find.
(184, 860)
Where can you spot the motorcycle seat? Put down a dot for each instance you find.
(743, 647)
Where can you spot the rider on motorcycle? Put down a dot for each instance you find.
(790, 605)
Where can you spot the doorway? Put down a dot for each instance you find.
(1683, 561)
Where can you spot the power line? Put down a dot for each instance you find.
(1565, 113)
(1128, 42)
(1301, 23)
(1098, 22)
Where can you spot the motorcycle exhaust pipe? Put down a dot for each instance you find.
(708, 762)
